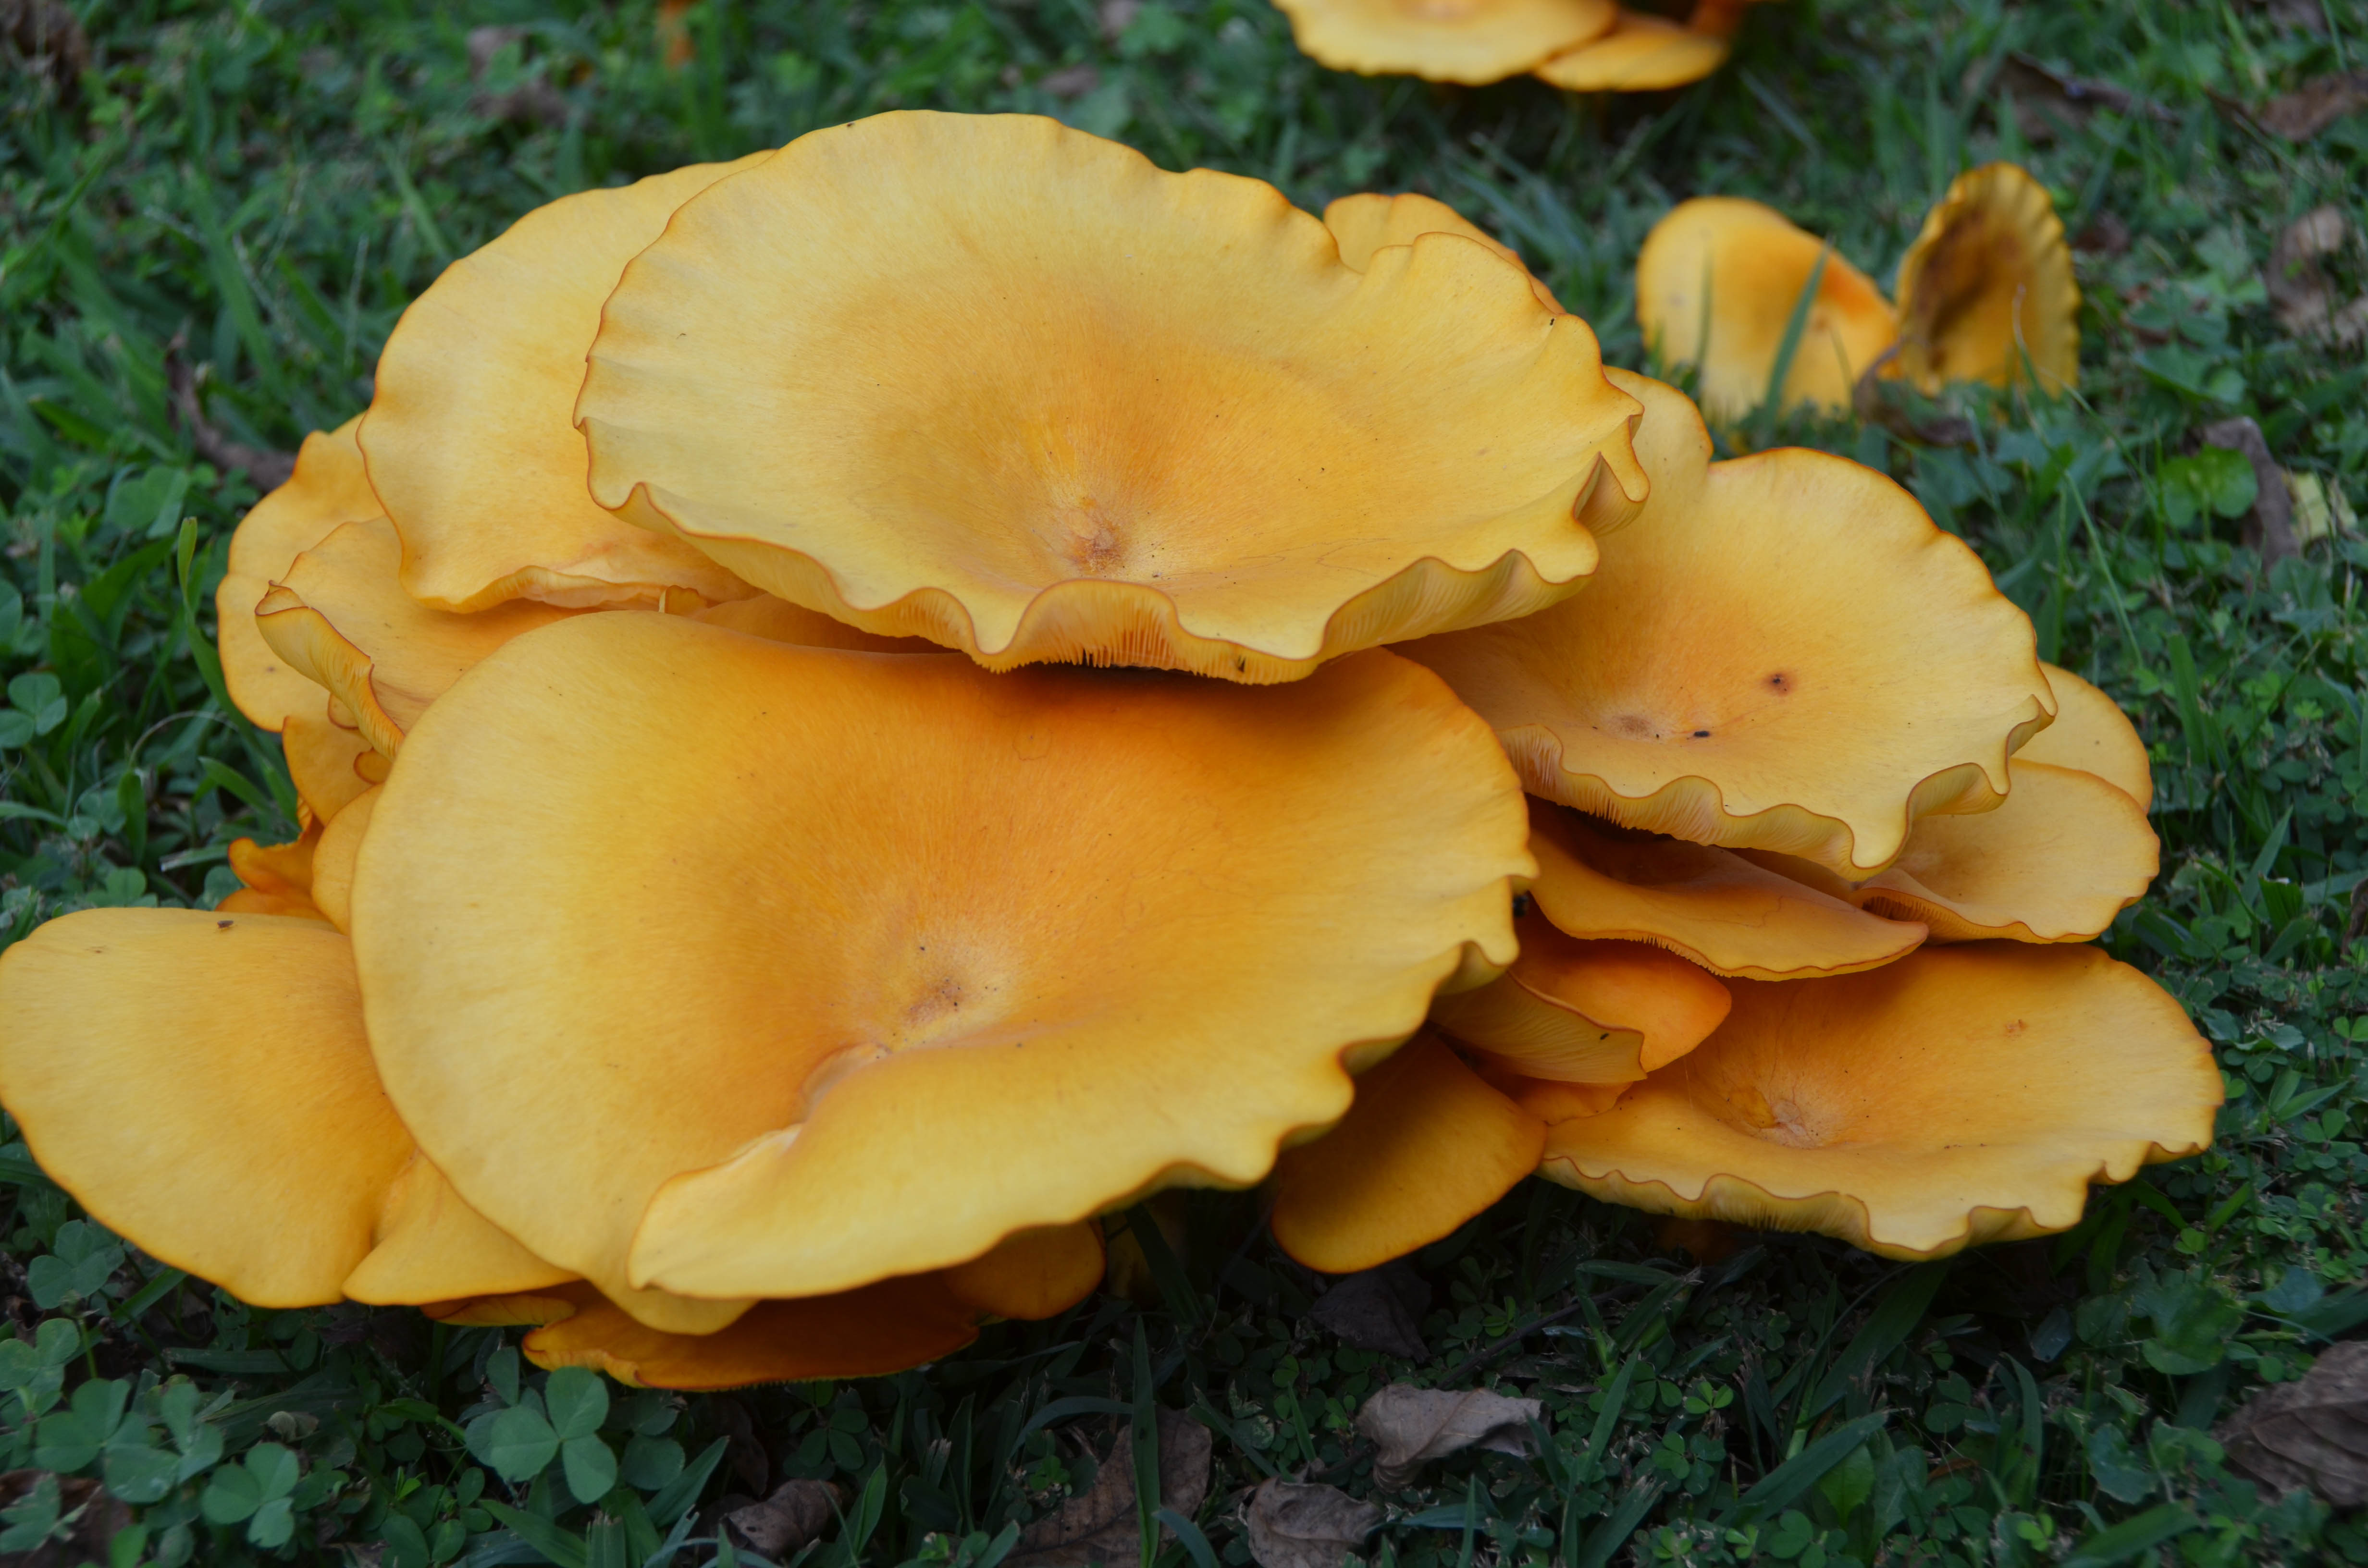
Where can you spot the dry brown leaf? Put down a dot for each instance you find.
(45, 40)
(1098, 1524)
(2297, 286)
(2267, 527)
(798, 1512)
(1380, 1308)
(2310, 109)
(2312, 1433)
(1411, 1426)
(1292, 1526)
(2048, 102)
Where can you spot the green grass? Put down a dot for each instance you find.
(266, 184)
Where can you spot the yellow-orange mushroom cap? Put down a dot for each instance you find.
(1009, 387)
(330, 765)
(1427, 1145)
(1642, 53)
(1780, 653)
(2093, 735)
(201, 1083)
(1987, 282)
(1964, 1095)
(1716, 283)
(1366, 222)
(339, 617)
(883, 958)
(1710, 905)
(2063, 855)
(326, 490)
(471, 437)
(1472, 42)
(1579, 1012)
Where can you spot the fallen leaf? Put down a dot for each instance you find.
(45, 40)
(2312, 1433)
(797, 1513)
(2297, 286)
(1380, 1308)
(2047, 101)
(1411, 1426)
(1292, 1526)
(2310, 109)
(1098, 1524)
(2320, 510)
(2267, 527)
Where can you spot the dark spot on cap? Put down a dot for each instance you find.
(1701, 735)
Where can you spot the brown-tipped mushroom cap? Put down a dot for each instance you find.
(1642, 53)
(1780, 653)
(2062, 856)
(2093, 735)
(1964, 1095)
(863, 916)
(340, 618)
(1988, 282)
(328, 489)
(1426, 1146)
(1472, 42)
(1716, 283)
(1710, 905)
(472, 439)
(1366, 222)
(1006, 386)
(1586, 1012)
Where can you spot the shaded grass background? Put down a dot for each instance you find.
(253, 193)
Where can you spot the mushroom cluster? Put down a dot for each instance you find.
(1985, 294)
(858, 709)
(1580, 46)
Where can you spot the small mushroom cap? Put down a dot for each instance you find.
(867, 915)
(328, 489)
(1987, 281)
(430, 1247)
(1006, 386)
(472, 439)
(339, 617)
(1586, 1012)
(331, 887)
(1960, 1096)
(331, 764)
(1366, 222)
(1642, 53)
(1031, 1274)
(1707, 905)
(2093, 735)
(1472, 42)
(202, 1085)
(1427, 1145)
(879, 1329)
(2063, 855)
(1716, 282)
(1780, 653)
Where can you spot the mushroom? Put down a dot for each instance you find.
(326, 490)
(898, 909)
(1645, 53)
(1960, 1096)
(1709, 906)
(1000, 384)
(204, 1087)
(1780, 653)
(1471, 41)
(2063, 855)
(1987, 287)
(1580, 1012)
(275, 879)
(2093, 735)
(340, 618)
(471, 438)
(1427, 1145)
(1717, 283)
(1363, 224)
(329, 763)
